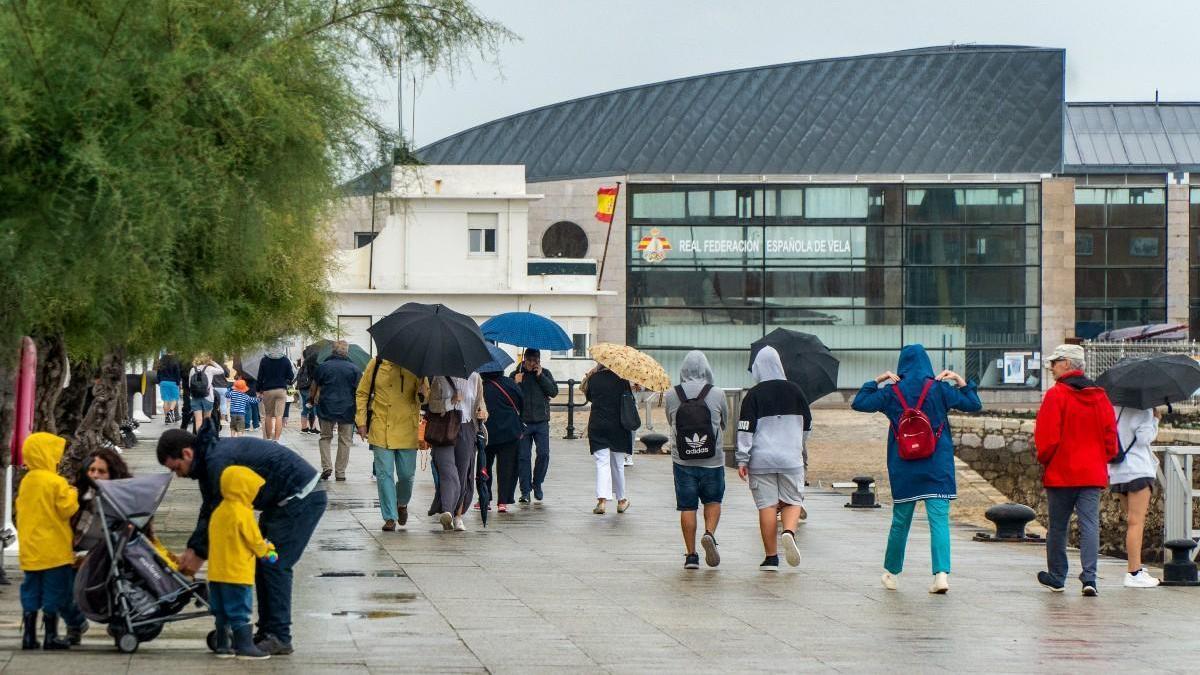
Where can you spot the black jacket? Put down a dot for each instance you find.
(285, 472)
(170, 370)
(274, 373)
(537, 392)
(604, 390)
(337, 380)
(503, 398)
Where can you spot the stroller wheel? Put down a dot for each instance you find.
(211, 640)
(127, 643)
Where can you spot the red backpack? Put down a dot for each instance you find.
(914, 434)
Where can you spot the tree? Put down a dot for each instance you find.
(168, 165)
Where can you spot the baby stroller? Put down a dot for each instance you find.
(123, 581)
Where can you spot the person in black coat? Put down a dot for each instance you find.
(609, 441)
(335, 384)
(504, 401)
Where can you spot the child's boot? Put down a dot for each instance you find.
(52, 640)
(29, 638)
(224, 648)
(243, 644)
(75, 633)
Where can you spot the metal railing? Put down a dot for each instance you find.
(1179, 493)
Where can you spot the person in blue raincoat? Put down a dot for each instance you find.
(929, 480)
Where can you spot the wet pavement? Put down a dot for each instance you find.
(554, 588)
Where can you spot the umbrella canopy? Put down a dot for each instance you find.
(1146, 381)
(632, 365)
(356, 354)
(430, 340)
(481, 475)
(806, 360)
(500, 361)
(526, 329)
(249, 365)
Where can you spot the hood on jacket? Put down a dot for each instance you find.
(1083, 389)
(695, 368)
(914, 363)
(767, 365)
(240, 484)
(43, 451)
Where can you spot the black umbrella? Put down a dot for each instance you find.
(430, 340)
(481, 475)
(1147, 381)
(806, 360)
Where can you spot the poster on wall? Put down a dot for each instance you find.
(1014, 367)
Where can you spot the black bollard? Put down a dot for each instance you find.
(1180, 570)
(571, 411)
(863, 497)
(1010, 520)
(654, 442)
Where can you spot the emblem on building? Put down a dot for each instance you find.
(654, 246)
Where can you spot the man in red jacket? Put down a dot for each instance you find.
(1075, 435)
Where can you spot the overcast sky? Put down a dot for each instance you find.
(1116, 49)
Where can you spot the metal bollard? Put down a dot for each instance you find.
(863, 497)
(1180, 570)
(571, 411)
(1010, 520)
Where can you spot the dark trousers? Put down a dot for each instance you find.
(504, 457)
(455, 470)
(231, 604)
(253, 414)
(48, 590)
(1085, 503)
(289, 527)
(534, 473)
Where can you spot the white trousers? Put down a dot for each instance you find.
(610, 474)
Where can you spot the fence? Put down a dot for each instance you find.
(1100, 356)
(1179, 493)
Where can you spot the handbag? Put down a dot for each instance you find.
(630, 419)
(441, 429)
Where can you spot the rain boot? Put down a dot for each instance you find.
(75, 633)
(243, 644)
(52, 640)
(224, 648)
(29, 638)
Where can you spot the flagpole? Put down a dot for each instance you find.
(607, 237)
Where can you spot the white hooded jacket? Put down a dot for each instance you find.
(774, 420)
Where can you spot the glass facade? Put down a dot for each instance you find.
(1194, 276)
(867, 268)
(1120, 258)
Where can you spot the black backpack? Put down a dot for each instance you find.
(694, 438)
(198, 383)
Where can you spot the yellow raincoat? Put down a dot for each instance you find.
(45, 505)
(397, 411)
(234, 540)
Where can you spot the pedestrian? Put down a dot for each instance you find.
(455, 461)
(220, 385)
(200, 389)
(609, 437)
(537, 389)
(387, 414)
(253, 409)
(1076, 436)
(239, 399)
(44, 507)
(773, 426)
(275, 375)
(334, 386)
(505, 400)
(697, 411)
(928, 479)
(169, 374)
(1131, 477)
(291, 502)
(304, 383)
(235, 544)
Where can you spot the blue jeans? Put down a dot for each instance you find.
(397, 465)
(48, 590)
(937, 511)
(534, 475)
(695, 485)
(231, 604)
(1085, 503)
(289, 527)
(307, 410)
(253, 414)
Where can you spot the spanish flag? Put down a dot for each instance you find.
(606, 203)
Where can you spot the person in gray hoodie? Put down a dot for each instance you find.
(773, 427)
(698, 462)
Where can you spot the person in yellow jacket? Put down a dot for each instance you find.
(234, 544)
(44, 506)
(387, 415)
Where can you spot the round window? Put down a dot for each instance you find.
(564, 239)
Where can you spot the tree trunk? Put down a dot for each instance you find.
(69, 409)
(101, 425)
(52, 364)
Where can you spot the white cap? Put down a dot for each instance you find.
(1073, 352)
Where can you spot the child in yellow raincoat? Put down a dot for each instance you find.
(234, 543)
(44, 508)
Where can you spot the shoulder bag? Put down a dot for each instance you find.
(630, 419)
(441, 429)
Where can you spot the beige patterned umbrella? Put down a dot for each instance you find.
(632, 365)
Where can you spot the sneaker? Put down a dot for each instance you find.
(389, 525)
(628, 459)
(622, 505)
(709, 543)
(523, 499)
(537, 493)
(447, 521)
(502, 508)
(941, 584)
(326, 474)
(599, 510)
(476, 507)
(1140, 579)
(403, 515)
(1046, 580)
(340, 479)
(889, 581)
(274, 646)
(770, 564)
(1089, 589)
(691, 561)
(790, 551)
(459, 525)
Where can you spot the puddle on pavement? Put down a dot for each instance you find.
(347, 504)
(392, 597)
(332, 546)
(341, 574)
(390, 573)
(362, 614)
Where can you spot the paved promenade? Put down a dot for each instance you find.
(556, 589)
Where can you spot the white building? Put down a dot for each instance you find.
(457, 235)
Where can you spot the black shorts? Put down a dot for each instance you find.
(1135, 485)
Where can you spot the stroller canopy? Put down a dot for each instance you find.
(132, 499)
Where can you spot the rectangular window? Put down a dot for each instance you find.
(361, 239)
(481, 232)
(659, 205)
(835, 202)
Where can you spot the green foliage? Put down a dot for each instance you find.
(166, 166)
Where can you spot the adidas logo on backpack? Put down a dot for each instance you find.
(693, 426)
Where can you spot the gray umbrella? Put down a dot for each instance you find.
(250, 363)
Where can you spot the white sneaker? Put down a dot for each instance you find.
(790, 551)
(941, 583)
(459, 526)
(629, 459)
(889, 581)
(1140, 579)
(447, 521)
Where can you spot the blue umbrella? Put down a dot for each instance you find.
(526, 329)
(500, 361)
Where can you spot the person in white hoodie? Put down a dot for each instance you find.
(1131, 476)
(773, 425)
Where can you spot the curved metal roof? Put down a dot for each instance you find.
(956, 109)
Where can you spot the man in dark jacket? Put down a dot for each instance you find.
(275, 373)
(291, 502)
(1075, 435)
(170, 380)
(334, 385)
(537, 387)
